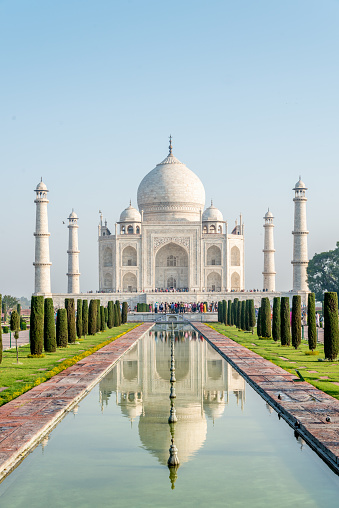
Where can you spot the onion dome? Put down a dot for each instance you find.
(212, 214)
(268, 215)
(300, 184)
(73, 215)
(130, 214)
(41, 186)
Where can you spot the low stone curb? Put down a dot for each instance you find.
(27, 419)
(304, 407)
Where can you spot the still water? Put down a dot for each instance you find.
(112, 450)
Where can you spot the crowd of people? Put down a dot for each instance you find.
(182, 307)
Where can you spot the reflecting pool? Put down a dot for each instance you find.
(112, 450)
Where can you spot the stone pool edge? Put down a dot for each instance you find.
(26, 420)
(307, 417)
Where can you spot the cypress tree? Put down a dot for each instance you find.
(102, 318)
(266, 329)
(15, 326)
(251, 315)
(276, 328)
(311, 322)
(106, 315)
(235, 311)
(70, 309)
(92, 317)
(36, 333)
(243, 315)
(98, 316)
(115, 316)
(124, 312)
(331, 333)
(18, 309)
(247, 316)
(229, 313)
(117, 303)
(49, 327)
(239, 306)
(61, 328)
(4, 310)
(110, 321)
(224, 312)
(285, 321)
(259, 323)
(79, 318)
(0, 329)
(85, 317)
(296, 321)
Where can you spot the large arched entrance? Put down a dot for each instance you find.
(171, 267)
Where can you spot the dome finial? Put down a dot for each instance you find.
(211, 202)
(170, 147)
(130, 202)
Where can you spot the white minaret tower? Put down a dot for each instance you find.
(42, 263)
(300, 255)
(73, 255)
(269, 266)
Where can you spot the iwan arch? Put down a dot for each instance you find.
(171, 242)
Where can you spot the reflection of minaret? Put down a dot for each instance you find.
(300, 255)
(42, 263)
(73, 255)
(173, 460)
(269, 268)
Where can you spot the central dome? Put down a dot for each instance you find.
(171, 191)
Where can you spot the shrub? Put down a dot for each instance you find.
(311, 322)
(23, 324)
(70, 308)
(285, 321)
(79, 319)
(124, 313)
(266, 330)
(85, 317)
(102, 318)
(331, 334)
(36, 334)
(49, 326)
(296, 321)
(61, 328)
(6, 329)
(92, 317)
(276, 325)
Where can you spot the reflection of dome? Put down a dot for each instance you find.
(212, 214)
(130, 214)
(131, 405)
(171, 191)
(214, 404)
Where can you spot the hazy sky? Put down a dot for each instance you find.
(91, 90)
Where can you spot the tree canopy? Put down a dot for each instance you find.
(9, 301)
(323, 273)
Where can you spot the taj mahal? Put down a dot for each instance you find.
(172, 242)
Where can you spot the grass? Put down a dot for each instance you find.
(30, 372)
(299, 359)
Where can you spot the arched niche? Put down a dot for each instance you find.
(130, 230)
(235, 256)
(108, 256)
(214, 282)
(129, 256)
(171, 263)
(129, 282)
(108, 281)
(235, 281)
(214, 255)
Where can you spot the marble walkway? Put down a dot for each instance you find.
(26, 419)
(312, 413)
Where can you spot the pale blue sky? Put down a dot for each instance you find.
(91, 90)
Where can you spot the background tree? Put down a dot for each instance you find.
(70, 309)
(102, 318)
(15, 324)
(4, 310)
(259, 322)
(276, 322)
(251, 315)
(311, 322)
(49, 326)
(285, 330)
(18, 309)
(224, 312)
(331, 333)
(10, 301)
(61, 328)
(0, 330)
(92, 317)
(296, 321)
(79, 319)
(117, 303)
(124, 313)
(36, 333)
(323, 273)
(85, 317)
(266, 328)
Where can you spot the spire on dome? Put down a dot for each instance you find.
(130, 202)
(170, 154)
(211, 202)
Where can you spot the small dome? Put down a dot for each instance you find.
(269, 215)
(130, 214)
(300, 184)
(212, 214)
(73, 215)
(41, 186)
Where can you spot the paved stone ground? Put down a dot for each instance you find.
(302, 405)
(24, 420)
(22, 340)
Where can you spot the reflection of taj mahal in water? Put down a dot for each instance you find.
(204, 383)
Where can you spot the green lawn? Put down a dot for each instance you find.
(296, 359)
(32, 371)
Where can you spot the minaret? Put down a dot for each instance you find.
(269, 266)
(300, 255)
(73, 255)
(42, 263)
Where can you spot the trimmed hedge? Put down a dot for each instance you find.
(331, 333)
(36, 333)
(311, 322)
(276, 324)
(285, 321)
(61, 328)
(49, 327)
(296, 321)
